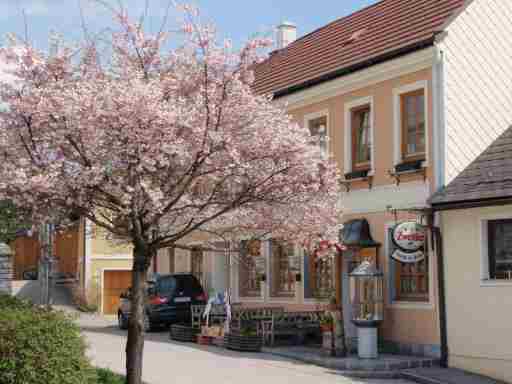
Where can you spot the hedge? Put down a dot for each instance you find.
(39, 346)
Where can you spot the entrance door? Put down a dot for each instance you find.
(114, 283)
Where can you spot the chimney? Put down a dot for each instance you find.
(286, 34)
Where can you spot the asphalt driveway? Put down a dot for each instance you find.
(168, 362)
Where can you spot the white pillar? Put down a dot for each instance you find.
(367, 342)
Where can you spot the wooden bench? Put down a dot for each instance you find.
(252, 317)
(295, 324)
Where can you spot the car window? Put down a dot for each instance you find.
(190, 285)
(166, 286)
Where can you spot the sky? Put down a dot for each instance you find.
(235, 19)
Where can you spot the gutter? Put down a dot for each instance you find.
(491, 202)
(354, 68)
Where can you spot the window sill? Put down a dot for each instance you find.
(411, 305)
(496, 283)
(347, 182)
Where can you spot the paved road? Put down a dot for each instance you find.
(167, 362)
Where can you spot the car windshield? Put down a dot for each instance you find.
(166, 286)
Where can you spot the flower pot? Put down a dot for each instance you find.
(326, 328)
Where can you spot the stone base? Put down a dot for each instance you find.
(6, 275)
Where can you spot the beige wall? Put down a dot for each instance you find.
(478, 313)
(383, 122)
(94, 292)
(404, 323)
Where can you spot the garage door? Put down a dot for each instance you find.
(114, 283)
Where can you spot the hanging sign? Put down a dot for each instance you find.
(409, 240)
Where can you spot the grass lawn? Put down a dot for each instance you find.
(106, 376)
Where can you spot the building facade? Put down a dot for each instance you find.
(398, 91)
(475, 211)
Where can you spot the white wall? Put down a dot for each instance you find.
(478, 73)
(479, 312)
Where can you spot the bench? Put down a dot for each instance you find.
(242, 317)
(296, 324)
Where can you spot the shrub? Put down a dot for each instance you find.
(106, 376)
(38, 346)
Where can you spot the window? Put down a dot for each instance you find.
(319, 277)
(500, 249)
(318, 129)
(411, 281)
(413, 125)
(197, 263)
(361, 138)
(283, 270)
(249, 260)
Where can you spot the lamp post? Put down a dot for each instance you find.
(367, 300)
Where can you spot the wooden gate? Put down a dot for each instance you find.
(114, 283)
(26, 254)
(66, 250)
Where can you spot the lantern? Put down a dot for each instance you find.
(367, 300)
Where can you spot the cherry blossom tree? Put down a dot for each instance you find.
(154, 143)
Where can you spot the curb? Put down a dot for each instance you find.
(419, 378)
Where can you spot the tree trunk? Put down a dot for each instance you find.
(340, 345)
(135, 343)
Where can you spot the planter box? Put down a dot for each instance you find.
(183, 333)
(243, 343)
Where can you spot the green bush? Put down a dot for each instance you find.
(106, 376)
(39, 346)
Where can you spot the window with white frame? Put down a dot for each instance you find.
(411, 122)
(317, 124)
(283, 269)
(499, 249)
(250, 261)
(359, 145)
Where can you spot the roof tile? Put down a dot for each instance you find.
(385, 27)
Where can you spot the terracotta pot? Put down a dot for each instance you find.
(326, 327)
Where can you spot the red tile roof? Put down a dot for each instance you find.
(374, 34)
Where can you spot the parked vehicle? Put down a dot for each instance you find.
(168, 301)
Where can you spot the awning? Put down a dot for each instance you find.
(356, 233)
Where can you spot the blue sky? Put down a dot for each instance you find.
(236, 19)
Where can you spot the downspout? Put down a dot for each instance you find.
(443, 328)
(439, 166)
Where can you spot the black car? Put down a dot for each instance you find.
(168, 301)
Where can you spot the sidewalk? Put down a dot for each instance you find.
(412, 368)
(445, 376)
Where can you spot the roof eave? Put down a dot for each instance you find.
(467, 204)
(356, 67)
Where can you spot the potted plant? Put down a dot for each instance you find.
(327, 323)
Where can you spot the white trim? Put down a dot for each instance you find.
(111, 257)
(316, 115)
(397, 119)
(495, 283)
(413, 194)
(401, 304)
(439, 120)
(391, 69)
(88, 253)
(348, 131)
(102, 281)
(483, 220)
(411, 305)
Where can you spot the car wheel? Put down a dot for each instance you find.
(122, 321)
